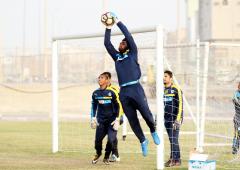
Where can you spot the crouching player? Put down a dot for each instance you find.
(115, 154)
(236, 120)
(104, 116)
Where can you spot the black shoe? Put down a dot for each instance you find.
(95, 159)
(168, 163)
(234, 151)
(172, 162)
(106, 161)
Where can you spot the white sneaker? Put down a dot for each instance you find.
(114, 158)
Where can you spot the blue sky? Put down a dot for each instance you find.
(68, 17)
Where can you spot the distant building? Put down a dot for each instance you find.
(219, 20)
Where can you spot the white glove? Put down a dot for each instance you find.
(176, 125)
(115, 124)
(94, 123)
(116, 20)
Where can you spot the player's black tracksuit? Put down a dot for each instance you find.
(132, 95)
(173, 110)
(106, 109)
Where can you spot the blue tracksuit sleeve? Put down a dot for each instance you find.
(107, 42)
(128, 36)
(93, 107)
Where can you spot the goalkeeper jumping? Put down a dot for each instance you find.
(104, 116)
(132, 95)
(236, 121)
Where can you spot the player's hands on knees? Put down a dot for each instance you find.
(176, 124)
(94, 123)
(115, 124)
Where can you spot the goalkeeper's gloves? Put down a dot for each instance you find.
(176, 125)
(94, 123)
(115, 18)
(115, 124)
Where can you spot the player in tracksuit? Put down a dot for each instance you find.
(132, 95)
(104, 116)
(173, 117)
(236, 121)
(114, 149)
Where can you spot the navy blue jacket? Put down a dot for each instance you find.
(126, 64)
(173, 104)
(104, 105)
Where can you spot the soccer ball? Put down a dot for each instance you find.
(107, 19)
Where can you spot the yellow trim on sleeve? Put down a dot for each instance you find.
(180, 103)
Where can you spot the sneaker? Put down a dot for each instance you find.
(168, 163)
(114, 158)
(144, 146)
(234, 151)
(95, 159)
(171, 163)
(155, 138)
(106, 161)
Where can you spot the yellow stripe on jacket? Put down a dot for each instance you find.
(180, 107)
(116, 90)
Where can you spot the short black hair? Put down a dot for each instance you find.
(169, 73)
(107, 74)
(125, 39)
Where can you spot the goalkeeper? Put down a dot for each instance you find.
(236, 121)
(104, 116)
(132, 95)
(114, 149)
(173, 116)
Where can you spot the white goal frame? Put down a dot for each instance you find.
(159, 85)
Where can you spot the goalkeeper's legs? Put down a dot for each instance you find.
(131, 114)
(143, 107)
(100, 134)
(133, 98)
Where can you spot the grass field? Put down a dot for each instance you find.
(27, 145)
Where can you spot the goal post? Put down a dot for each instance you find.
(159, 96)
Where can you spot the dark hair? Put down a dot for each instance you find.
(107, 74)
(169, 73)
(125, 39)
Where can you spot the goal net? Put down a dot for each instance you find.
(207, 89)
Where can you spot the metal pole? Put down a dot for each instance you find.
(198, 96)
(204, 94)
(159, 94)
(55, 97)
